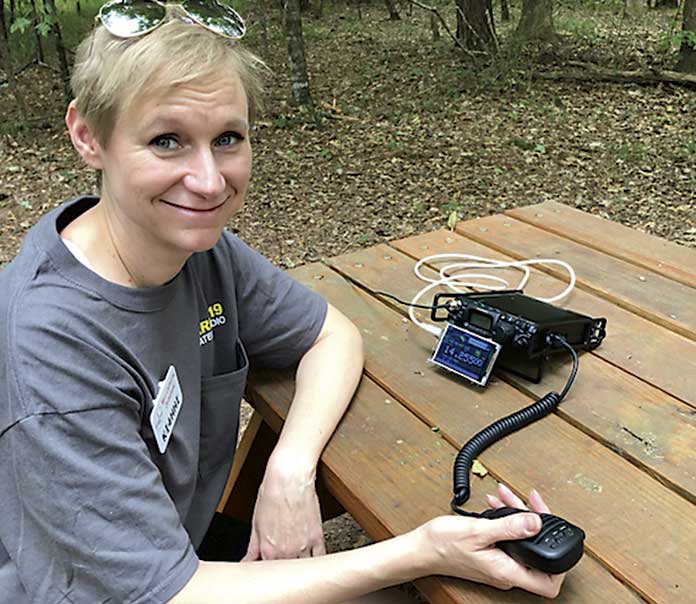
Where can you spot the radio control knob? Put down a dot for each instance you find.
(521, 340)
(503, 332)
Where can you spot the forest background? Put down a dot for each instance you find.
(407, 115)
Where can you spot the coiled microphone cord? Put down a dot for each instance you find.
(501, 428)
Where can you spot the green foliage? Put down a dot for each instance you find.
(45, 25)
(20, 25)
(629, 152)
(613, 6)
(68, 175)
(453, 210)
(13, 128)
(580, 28)
(690, 148)
(689, 37)
(671, 40)
(527, 145)
(450, 206)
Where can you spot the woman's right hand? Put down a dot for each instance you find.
(465, 547)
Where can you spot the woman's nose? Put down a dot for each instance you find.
(205, 177)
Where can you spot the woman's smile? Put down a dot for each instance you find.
(196, 211)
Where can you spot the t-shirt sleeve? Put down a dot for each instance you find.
(279, 318)
(86, 517)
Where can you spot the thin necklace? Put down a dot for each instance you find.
(123, 262)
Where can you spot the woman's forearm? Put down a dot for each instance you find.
(324, 580)
(326, 379)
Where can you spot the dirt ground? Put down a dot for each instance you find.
(408, 135)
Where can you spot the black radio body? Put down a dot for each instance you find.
(520, 325)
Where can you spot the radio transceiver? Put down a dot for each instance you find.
(509, 329)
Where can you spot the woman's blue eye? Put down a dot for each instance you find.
(228, 139)
(166, 142)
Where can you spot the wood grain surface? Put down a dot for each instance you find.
(617, 456)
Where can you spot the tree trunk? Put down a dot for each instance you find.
(393, 13)
(12, 11)
(39, 43)
(3, 23)
(504, 11)
(687, 54)
(6, 54)
(536, 22)
(474, 25)
(50, 7)
(634, 8)
(296, 54)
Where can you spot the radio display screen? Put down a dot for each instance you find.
(480, 319)
(466, 354)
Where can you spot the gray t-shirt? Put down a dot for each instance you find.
(90, 510)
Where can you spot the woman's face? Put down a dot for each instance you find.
(177, 166)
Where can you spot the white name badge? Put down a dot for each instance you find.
(165, 408)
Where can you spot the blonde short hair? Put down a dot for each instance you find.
(111, 74)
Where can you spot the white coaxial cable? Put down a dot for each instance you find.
(455, 276)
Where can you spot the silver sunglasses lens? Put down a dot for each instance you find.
(126, 18)
(216, 16)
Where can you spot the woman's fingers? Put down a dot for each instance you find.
(494, 502)
(253, 552)
(509, 498)
(539, 583)
(505, 497)
(537, 503)
(319, 549)
(508, 528)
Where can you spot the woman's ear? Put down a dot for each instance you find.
(82, 138)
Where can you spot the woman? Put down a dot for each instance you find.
(129, 322)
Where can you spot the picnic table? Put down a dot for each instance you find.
(617, 458)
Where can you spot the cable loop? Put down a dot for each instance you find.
(455, 276)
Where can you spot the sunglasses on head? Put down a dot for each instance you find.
(132, 18)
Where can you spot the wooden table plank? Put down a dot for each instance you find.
(648, 294)
(392, 473)
(635, 344)
(652, 429)
(583, 480)
(665, 257)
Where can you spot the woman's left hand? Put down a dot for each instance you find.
(287, 518)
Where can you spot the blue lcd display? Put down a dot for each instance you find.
(466, 354)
